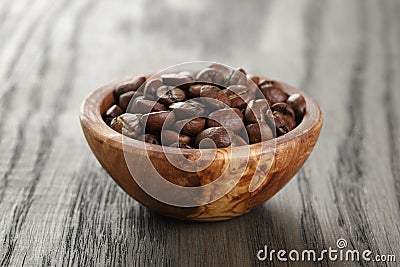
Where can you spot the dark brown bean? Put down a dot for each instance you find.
(124, 99)
(188, 109)
(145, 106)
(239, 95)
(237, 77)
(190, 126)
(150, 89)
(283, 123)
(194, 90)
(180, 145)
(214, 97)
(256, 110)
(283, 108)
(129, 124)
(116, 126)
(211, 75)
(255, 79)
(177, 79)
(168, 95)
(231, 119)
(259, 132)
(155, 121)
(273, 92)
(113, 112)
(149, 138)
(132, 85)
(213, 137)
(298, 103)
(169, 137)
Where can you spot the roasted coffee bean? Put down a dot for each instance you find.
(283, 108)
(238, 141)
(190, 126)
(124, 99)
(231, 119)
(132, 85)
(239, 95)
(129, 124)
(256, 111)
(116, 126)
(151, 88)
(194, 90)
(213, 137)
(113, 112)
(237, 77)
(214, 97)
(169, 137)
(149, 138)
(180, 145)
(255, 79)
(168, 95)
(211, 75)
(273, 92)
(155, 121)
(298, 103)
(145, 106)
(188, 109)
(283, 123)
(259, 132)
(177, 79)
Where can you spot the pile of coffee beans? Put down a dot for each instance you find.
(216, 107)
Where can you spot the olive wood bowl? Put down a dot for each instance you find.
(292, 150)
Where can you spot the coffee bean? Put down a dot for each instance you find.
(259, 132)
(213, 137)
(113, 112)
(273, 92)
(169, 137)
(256, 110)
(150, 89)
(124, 99)
(145, 106)
(255, 79)
(283, 123)
(283, 108)
(211, 75)
(190, 126)
(149, 138)
(239, 95)
(168, 95)
(213, 97)
(231, 119)
(180, 145)
(237, 77)
(155, 121)
(116, 126)
(194, 90)
(238, 141)
(298, 103)
(177, 79)
(132, 85)
(129, 124)
(188, 109)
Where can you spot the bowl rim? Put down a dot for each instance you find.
(92, 119)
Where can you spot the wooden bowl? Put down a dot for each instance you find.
(291, 151)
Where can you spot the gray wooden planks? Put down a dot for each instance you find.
(60, 208)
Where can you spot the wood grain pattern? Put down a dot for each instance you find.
(60, 208)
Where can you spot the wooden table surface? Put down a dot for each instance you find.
(59, 207)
